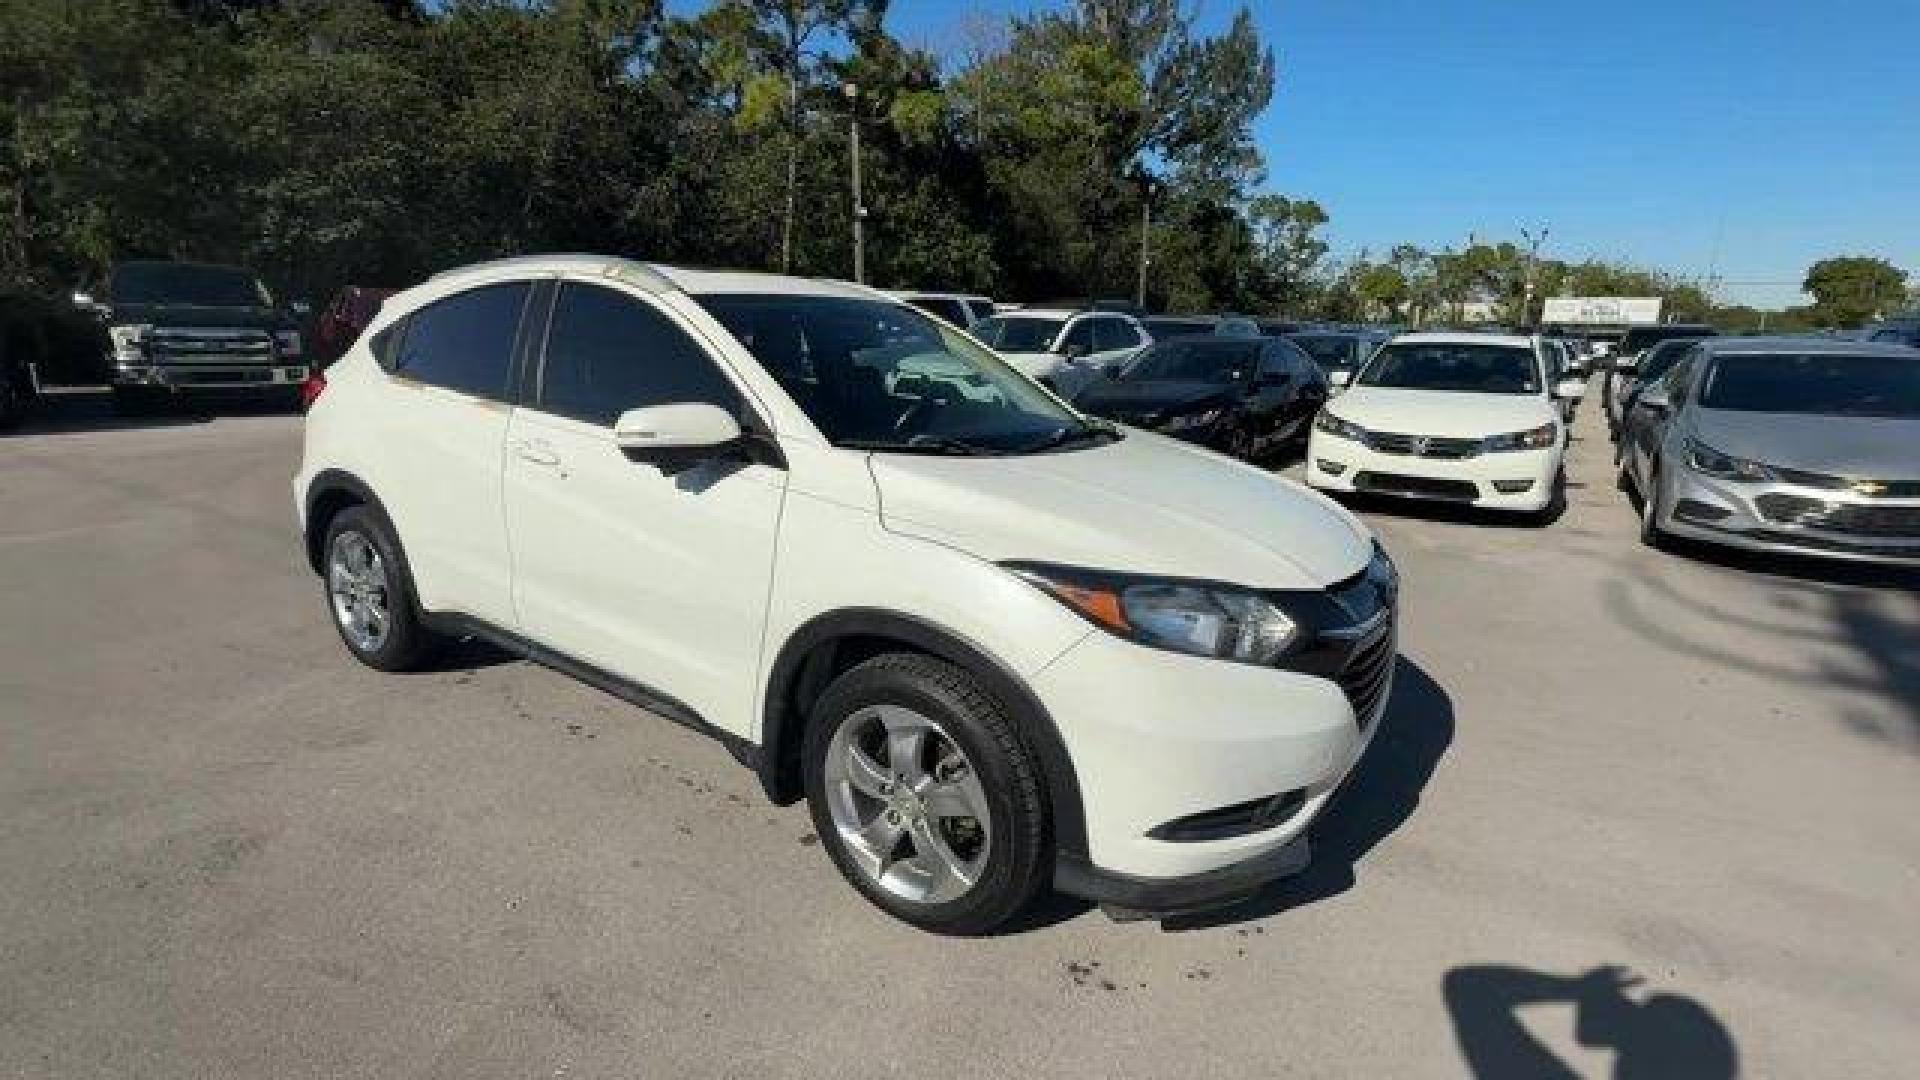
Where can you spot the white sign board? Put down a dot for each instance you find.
(1602, 310)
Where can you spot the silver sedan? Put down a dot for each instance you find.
(1781, 444)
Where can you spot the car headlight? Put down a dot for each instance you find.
(1531, 439)
(1333, 425)
(287, 342)
(1186, 421)
(1201, 618)
(1705, 459)
(127, 341)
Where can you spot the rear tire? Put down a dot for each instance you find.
(934, 863)
(369, 593)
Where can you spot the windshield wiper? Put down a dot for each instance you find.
(921, 444)
(1070, 436)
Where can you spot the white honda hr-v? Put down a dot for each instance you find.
(997, 646)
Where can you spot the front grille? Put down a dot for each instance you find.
(1368, 671)
(1872, 489)
(228, 377)
(1387, 442)
(1424, 486)
(203, 345)
(1859, 519)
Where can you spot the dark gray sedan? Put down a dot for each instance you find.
(1782, 444)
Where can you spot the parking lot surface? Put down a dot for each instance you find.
(229, 851)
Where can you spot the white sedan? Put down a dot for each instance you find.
(1466, 418)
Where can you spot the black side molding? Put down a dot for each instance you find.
(634, 693)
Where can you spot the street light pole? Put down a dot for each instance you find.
(852, 92)
(1533, 250)
(1146, 224)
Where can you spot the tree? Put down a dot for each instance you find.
(1850, 290)
(786, 28)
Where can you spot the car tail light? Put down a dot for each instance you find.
(311, 389)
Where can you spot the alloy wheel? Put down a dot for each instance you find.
(907, 804)
(362, 598)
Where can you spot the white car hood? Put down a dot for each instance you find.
(1145, 504)
(1441, 413)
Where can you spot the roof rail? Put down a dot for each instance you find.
(625, 270)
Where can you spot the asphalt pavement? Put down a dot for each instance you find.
(1629, 810)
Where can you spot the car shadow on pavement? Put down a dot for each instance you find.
(1655, 1035)
(65, 411)
(1378, 798)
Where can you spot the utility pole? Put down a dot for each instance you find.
(1146, 225)
(852, 91)
(1533, 251)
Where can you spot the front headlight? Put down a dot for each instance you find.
(1187, 421)
(1196, 617)
(127, 340)
(1705, 459)
(287, 342)
(1333, 425)
(1531, 439)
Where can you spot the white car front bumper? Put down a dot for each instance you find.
(1520, 480)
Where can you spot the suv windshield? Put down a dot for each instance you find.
(1018, 333)
(1194, 360)
(1823, 384)
(1331, 352)
(1461, 367)
(879, 376)
(186, 284)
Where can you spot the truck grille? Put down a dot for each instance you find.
(1387, 442)
(208, 345)
(1859, 519)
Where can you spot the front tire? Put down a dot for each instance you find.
(370, 595)
(924, 796)
(1651, 534)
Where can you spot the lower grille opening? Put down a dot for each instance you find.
(1424, 486)
(1695, 510)
(1254, 815)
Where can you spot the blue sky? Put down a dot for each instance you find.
(1743, 138)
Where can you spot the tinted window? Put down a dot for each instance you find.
(1639, 337)
(1011, 333)
(1110, 335)
(1332, 352)
(982, 309)
(1283, 358)
(1080, 335)
(944, 307)
(1655, 362)
(1194, 359)
(465, 342)
(1463, 367)
(1826, 384)
(608, 352)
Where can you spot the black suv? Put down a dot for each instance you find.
(177, 327)
(1245, 397)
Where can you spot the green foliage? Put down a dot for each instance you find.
(1850, 290)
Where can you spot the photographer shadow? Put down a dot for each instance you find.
(1659, 1035)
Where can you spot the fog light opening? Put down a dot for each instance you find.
(1512, 487)
(1331, 468)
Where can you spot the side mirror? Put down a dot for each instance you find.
(1570, 389)
(1652, 402)
(680, 432)
(1625, 361)
(300, 308)
(82, 299)
(1074, 350)
(1339, 378)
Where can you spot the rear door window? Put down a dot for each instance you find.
(465, 341)
(1112, 335)
(1080, 336)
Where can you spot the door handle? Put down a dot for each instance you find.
(537, 453)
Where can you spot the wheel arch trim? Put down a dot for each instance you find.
(803, 653)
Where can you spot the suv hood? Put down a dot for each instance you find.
(1145, 504)
(251, 318)
(1442, 413)
(1859, 447)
